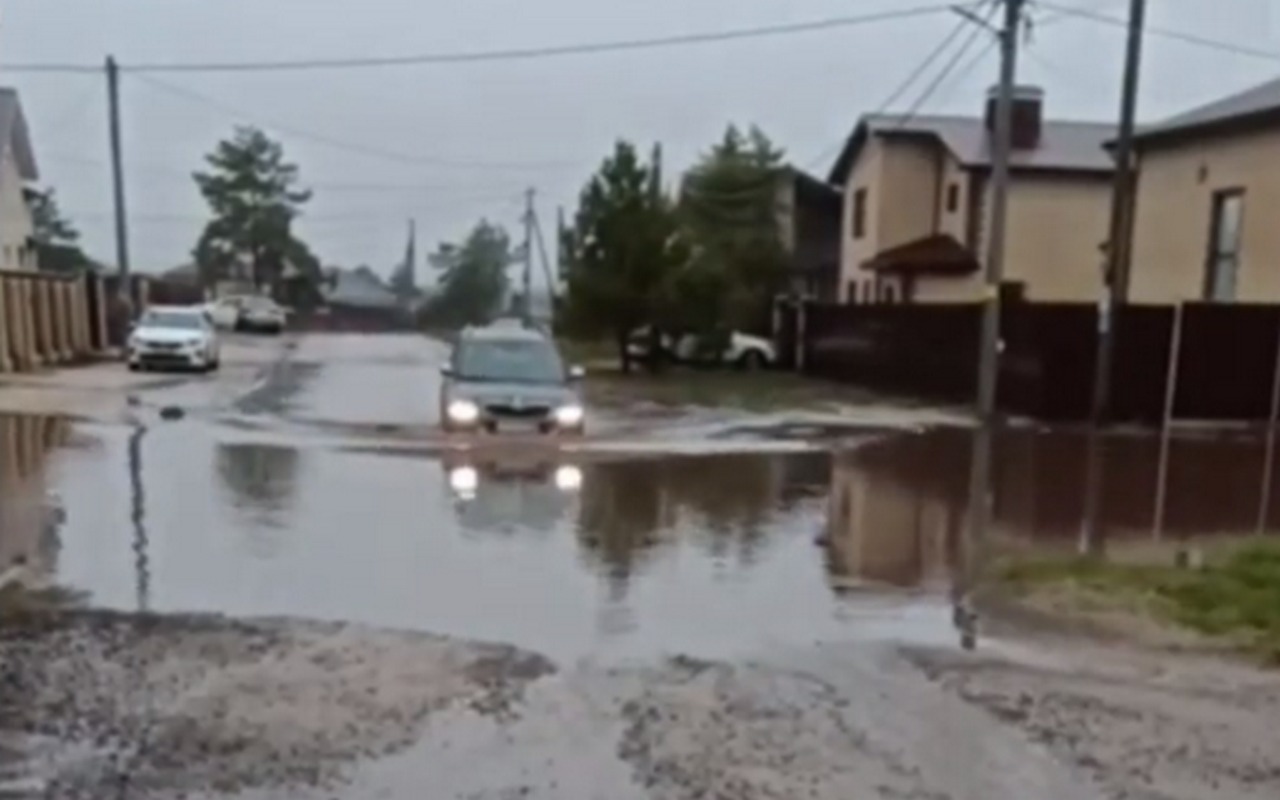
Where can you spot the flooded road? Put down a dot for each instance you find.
(337, 606)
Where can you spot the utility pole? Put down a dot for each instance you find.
(527, 279)
(1116, 275)
(989, 345)
(117, 175)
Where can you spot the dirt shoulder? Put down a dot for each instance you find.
(1136, 724)
(182, 706)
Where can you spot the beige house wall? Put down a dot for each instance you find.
(954, 223)
(15, 218)
(866, 174)
(1057, 223)
(1176, 184)
(908, 191)
(1056, 227)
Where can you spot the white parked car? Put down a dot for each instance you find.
(247, 313)
(174, 337)
(261, 314)
(225, 312)
(741, 350)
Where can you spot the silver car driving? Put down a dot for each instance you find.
(509, 379)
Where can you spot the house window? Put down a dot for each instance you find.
(888, 293)
(953, 197)
(859, 213)
(1223, 263)
(851, 292)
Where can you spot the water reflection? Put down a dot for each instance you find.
(897, 506)
(30, 514)
(628, 508)
(137, 517)
(261, 479)
(507, 493)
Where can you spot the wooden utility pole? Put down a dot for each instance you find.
(989, 344)
(1116, 276)
(527, 278)
(117, 175)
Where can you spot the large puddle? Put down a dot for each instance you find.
(570, 554)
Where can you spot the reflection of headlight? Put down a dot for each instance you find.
(568, 478)
(569, 415)
(463, 411)
(464, 479)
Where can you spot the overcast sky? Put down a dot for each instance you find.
(484, 132)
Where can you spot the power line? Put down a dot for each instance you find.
(902, 87)
(338, 144)
(179, 175)
(1167, 33)
(511, 54)
(979, 28)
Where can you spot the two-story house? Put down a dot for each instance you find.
(1208, 199)
(917, 192)
(17, 167)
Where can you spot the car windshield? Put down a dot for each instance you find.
(182, 320)
(508, 360)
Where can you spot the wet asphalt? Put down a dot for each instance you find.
(337, 603)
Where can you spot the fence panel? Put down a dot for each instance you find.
(927, 351)
(1227, 359)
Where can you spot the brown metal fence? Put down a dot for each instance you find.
(1226, 359)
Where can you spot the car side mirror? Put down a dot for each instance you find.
(577, 373)
(446, 371)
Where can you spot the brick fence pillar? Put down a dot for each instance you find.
(6, 322)
(28, 352)
(45, 311)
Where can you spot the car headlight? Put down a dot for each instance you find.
(464, 480)
(463, 411)
(569, 415)
(568, 478)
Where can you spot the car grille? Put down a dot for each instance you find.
(519, 412)
(162, 347)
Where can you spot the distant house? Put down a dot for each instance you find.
(360, 299)
(17, 167)
(917, 198)
(809, 214)
(1208, 196)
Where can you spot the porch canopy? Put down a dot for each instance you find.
(938, 254)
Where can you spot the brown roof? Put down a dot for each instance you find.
(1064, 146)
(1258, 102)
(939, 254)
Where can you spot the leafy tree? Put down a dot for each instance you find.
(728, 206)
(473, 278)
(57, 241)
(621, 251)
(253, 197)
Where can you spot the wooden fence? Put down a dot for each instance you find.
(1225, 363)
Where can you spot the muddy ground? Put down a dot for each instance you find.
(289, 593)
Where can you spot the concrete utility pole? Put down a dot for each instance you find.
(527, 279)
(117, 174)
(989, 346)
(1116, 276)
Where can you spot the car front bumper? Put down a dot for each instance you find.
(164, 357)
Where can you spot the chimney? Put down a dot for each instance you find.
(1028, 115)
